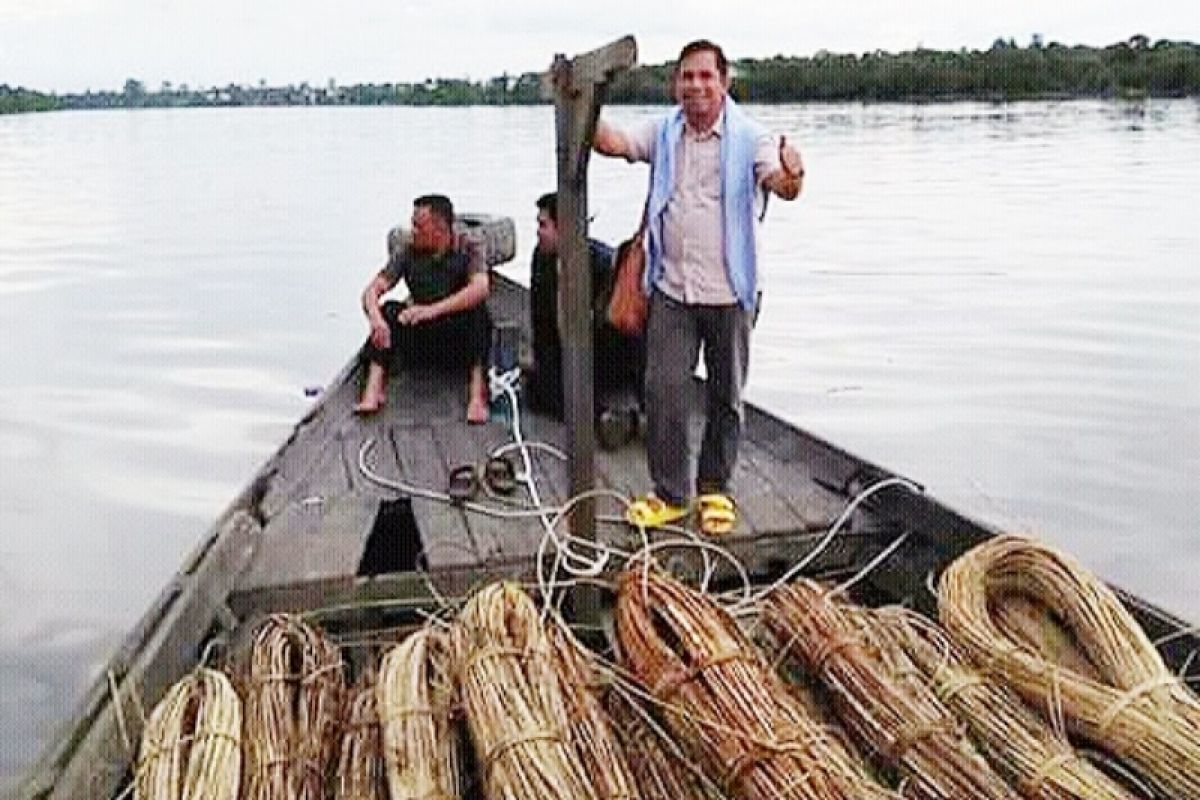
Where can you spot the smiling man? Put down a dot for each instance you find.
(711, 167)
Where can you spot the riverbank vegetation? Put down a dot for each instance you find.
(20, 100)
(1135, 68)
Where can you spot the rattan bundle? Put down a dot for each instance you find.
(659, 768)
(1137, 709)
(588, 724)
(360, 769)
(512, 701)
(415, 693)
(1022, 747)
(911, 730)
(723, 702)
(293, 709)
(191, 746)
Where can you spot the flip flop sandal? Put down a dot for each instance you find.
(718, 514)
(463, 484)
(653, 512)
(500, 475)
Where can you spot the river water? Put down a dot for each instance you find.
(999, 301)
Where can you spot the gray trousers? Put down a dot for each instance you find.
(674, 335)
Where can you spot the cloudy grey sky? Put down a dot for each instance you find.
(71, 45)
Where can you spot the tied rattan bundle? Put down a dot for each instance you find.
(911, 730)
(360, 770)
(1030, 754)
(723, 702)
(512, 701)
(1136, 709)
(415, 692)
(588, 724)
(191, 747)
(659, 768)
(293, 710)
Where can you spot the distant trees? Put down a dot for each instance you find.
(1136, 67)
(1003, 72)
(19, 100)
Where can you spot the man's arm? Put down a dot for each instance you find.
(380, 285)
(610, 141)
(788, 179)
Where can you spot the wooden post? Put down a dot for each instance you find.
(579, 86)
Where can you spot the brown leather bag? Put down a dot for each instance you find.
(628, 306)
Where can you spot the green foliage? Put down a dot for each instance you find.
(21, 100)
(1005, 71)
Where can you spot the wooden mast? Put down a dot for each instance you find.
(579, 87)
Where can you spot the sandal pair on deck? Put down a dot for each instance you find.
(716, 512)
(498, 474)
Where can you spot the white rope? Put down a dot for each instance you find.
(872, 564)
(834, 530)
(566, 558)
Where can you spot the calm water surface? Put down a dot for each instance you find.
(1002, 302)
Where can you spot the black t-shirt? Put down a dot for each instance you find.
(431, 277)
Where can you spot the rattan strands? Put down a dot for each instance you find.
(1138, 710)
(416, 698)
(191, 745)
(723, 702)
(906, 725)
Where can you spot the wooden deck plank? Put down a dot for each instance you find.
(293, 462)
(446, 538)
(315, 538)
(426, 396)
(813, 506)
(511, 538)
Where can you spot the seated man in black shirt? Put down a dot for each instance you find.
(618, 359)
(444, 322)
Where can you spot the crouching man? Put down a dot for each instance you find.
(444, 323)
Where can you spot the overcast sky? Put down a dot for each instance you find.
(71, 45)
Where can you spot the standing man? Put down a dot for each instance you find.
(711, 167)
(444, 322)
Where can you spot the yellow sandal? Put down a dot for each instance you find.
(653, 512)
(718, 514)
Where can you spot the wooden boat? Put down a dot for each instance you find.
(313, 532)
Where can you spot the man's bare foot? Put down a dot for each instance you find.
(477, 411)
(374, 392)
(369, 404)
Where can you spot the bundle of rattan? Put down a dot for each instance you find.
(723, 702)
(911, 730)
(1136, 710)
(660, 769)
(512, 700)
(191, 746)
(588, 724)
(360, 769)
(415, 692)
(1021, 746)
(294, 691)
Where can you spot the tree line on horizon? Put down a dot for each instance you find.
(1133, 68)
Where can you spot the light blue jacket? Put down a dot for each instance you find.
(739, 141)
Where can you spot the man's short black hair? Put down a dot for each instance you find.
(439, 205)
(549, 203)
(704, 45)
